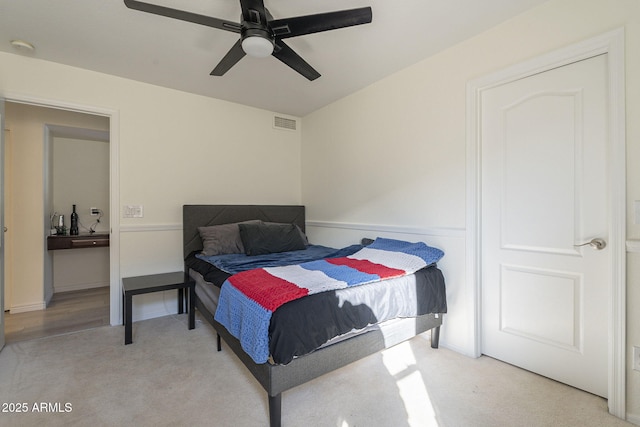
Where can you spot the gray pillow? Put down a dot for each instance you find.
(223, 239)
(303, 236)
(261, 239)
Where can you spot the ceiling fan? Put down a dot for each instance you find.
(261, 35)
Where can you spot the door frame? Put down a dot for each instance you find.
(2, 206)
(115, 290)
(612, 44)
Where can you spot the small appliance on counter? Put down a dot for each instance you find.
(61, 229)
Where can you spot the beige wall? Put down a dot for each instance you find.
(81, 177)
(396, 150)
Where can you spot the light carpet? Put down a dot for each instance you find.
(171, 376)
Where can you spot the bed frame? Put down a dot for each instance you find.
(278, 378)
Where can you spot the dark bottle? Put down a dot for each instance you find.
(73, 230)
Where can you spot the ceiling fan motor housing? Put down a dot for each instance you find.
(254, 30)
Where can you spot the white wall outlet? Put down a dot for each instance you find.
(94, 211)
(133, 211)
(636, 358)
(636, 207)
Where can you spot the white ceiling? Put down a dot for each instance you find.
(105, 36)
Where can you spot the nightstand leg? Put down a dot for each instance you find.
(128, 319)
(192, 309)
(181, 297)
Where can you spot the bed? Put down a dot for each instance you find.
(274, 375)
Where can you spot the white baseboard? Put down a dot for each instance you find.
(153, 314)
(27, 307)
(79, 287)
(633, 419)
(455, 348)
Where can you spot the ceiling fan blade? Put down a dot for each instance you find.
(301, 25)
(232, 57)
(254, 11)
(285, 54)
(183, 15)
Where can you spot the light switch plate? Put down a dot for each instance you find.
(133, 211)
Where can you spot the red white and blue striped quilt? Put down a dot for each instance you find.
(248, 299)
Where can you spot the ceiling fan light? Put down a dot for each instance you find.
(256, 46)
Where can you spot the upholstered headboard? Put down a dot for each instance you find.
(194, 216)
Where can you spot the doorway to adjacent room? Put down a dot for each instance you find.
(64, 156)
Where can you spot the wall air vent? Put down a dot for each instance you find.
(284, 123)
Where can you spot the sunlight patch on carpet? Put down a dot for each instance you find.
(400, 362)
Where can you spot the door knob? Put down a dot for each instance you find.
(597, 244)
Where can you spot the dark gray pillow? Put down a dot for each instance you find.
(223, 239)
(260, 239)
(304, 237)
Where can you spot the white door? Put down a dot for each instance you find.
(544, 191)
